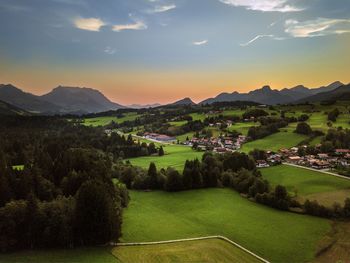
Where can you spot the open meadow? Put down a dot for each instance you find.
(286, 138)
(175, 157)
(157, 216)
(307, 184)
(105, 120)
(209, 250)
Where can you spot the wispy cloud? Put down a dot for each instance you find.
(90, 24)
(162, 8)
(255, 39)
(139, 25)
(200, 43)
(110, 51)
(317, 27)
(264, 5)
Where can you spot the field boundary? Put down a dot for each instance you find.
(315, 170)
(193, 239)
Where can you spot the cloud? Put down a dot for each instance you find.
(109, 51)
(90, 24)
(317, 27)
(162, 8)
(264, 5)
(255, 39)
(200, 43)
(139, 25)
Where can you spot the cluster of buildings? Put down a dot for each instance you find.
(219, 145)
(318, 161)
(159, 137)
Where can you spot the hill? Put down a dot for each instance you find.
(8, 109)
(27, 101)
(183, 102)
(80, 100)
(266, 95)
(340, 93)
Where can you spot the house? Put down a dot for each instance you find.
(320, 164)
(262, 164)
(294, 159)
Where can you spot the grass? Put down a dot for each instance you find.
(313, 185)
(105, 120)
(175, 156)
(286, 138)
(210, 250)
(18, 167)
(242, 127)
(78, 255)
(335, 247)
(275, 235)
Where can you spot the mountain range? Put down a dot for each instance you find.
(269, 96)
(61, 100)
(76, 100)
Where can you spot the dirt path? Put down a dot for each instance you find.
(193, 239)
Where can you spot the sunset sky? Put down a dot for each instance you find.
(147, 51)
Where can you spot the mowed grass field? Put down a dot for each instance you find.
(307, 184)
(275, 235)
(78, 255)
(175, 157)
(105, 120)
(209, 250)
(286, 138)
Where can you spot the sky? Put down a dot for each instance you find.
(148, 51)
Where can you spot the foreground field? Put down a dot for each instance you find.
(274, 235)
(210, 250)
(80, 255)
(175, 157)
(307, 184)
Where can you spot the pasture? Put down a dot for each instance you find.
(78, 255)
(272, 234)
(175, 157)
(209, 250)
(286, 138)
(307, 184)
(105, 120)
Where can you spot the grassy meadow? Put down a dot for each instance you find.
(105, 120)
(175, 157)
(286, 138)
(78, 255)
(209, 250)
(307, 184)
(272, 234)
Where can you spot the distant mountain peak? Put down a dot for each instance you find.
(185, 101)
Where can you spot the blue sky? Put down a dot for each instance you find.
(161, 50)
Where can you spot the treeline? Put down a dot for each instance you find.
(234, 170)
(336, 139)
(268, 126)
(64, 196)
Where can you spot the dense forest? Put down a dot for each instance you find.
(63, 195)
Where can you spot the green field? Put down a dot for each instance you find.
(242, 127)
(313, 185)
(286, 138)
(79, 255)
(210, 250)
(102, 121)
(274, 235)
(175, 156)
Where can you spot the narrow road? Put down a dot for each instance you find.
(192, 239)
(315, 170)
